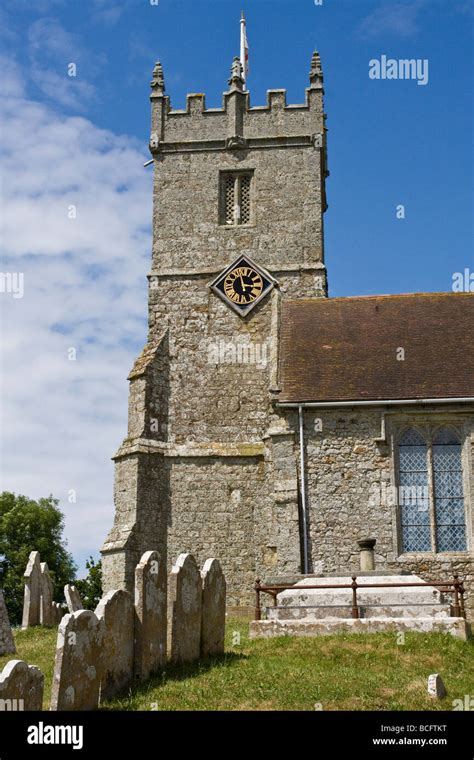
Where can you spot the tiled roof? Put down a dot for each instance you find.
(346, 349)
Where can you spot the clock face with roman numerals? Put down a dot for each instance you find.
(242, 285)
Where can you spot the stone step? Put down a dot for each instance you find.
(270, 628)
(332, 611)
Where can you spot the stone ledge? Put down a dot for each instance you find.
(205, 449)
(205, 272)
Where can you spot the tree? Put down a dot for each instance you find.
(25, 526)
(90, 588)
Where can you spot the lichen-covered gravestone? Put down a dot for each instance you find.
(116, 610)
(78, 663)
(21, 687)
(73, 598)
(47, 614)
(150, 615)
(31, 602)
(184, 610)
(213, 608)
(7, 645)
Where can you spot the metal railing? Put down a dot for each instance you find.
(455, 587)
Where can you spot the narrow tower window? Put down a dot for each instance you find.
(235, 198)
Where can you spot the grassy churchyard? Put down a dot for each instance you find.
(340, 672)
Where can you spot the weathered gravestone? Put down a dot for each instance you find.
(213, 608)
(47, 614)
(58, 612)
(116, 610)
(31, 602)
(73, 598)
(184, 610)
(7, 645)
(21, 687)
(150, 615)
(78, 663)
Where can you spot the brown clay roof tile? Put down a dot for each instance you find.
(345, 349)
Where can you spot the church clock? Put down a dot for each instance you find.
(242, 285)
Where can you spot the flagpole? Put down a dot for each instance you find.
(243, 48)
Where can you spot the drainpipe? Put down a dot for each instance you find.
(303, 492)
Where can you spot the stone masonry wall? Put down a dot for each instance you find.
(346, 470)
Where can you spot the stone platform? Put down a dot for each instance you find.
(316, 612)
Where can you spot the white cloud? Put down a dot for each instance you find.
(85, 287)
(399, 18)
(51, 50)
(110, 11)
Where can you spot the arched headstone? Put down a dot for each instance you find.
(213, 608)
(150, 615)
(184, 609)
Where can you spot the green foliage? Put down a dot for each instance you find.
(25, 526)
(90, 588)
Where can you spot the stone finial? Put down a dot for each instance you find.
(236, 79)
(316, 73)
(158, 81)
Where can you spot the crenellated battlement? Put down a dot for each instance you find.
(237, 124)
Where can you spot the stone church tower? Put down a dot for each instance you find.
(208, 464)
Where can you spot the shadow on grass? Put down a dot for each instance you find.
(174, 672)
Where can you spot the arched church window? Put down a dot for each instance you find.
(448, 492)
(413, 492)
(431, 497)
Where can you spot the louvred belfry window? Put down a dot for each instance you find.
(235, 198)
(431, 497)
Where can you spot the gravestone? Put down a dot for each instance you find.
(21, 687)
(150, 615)
(58, 612)
(31, 602)
(73, 598)
(7, 645)
(78, 663)
(184, 610)
(47, 614)
(436, 687)
(213, 608)
(116, 611)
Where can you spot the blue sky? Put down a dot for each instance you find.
(82, 141)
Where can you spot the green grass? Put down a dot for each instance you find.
(340, 672)
(36, 646)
